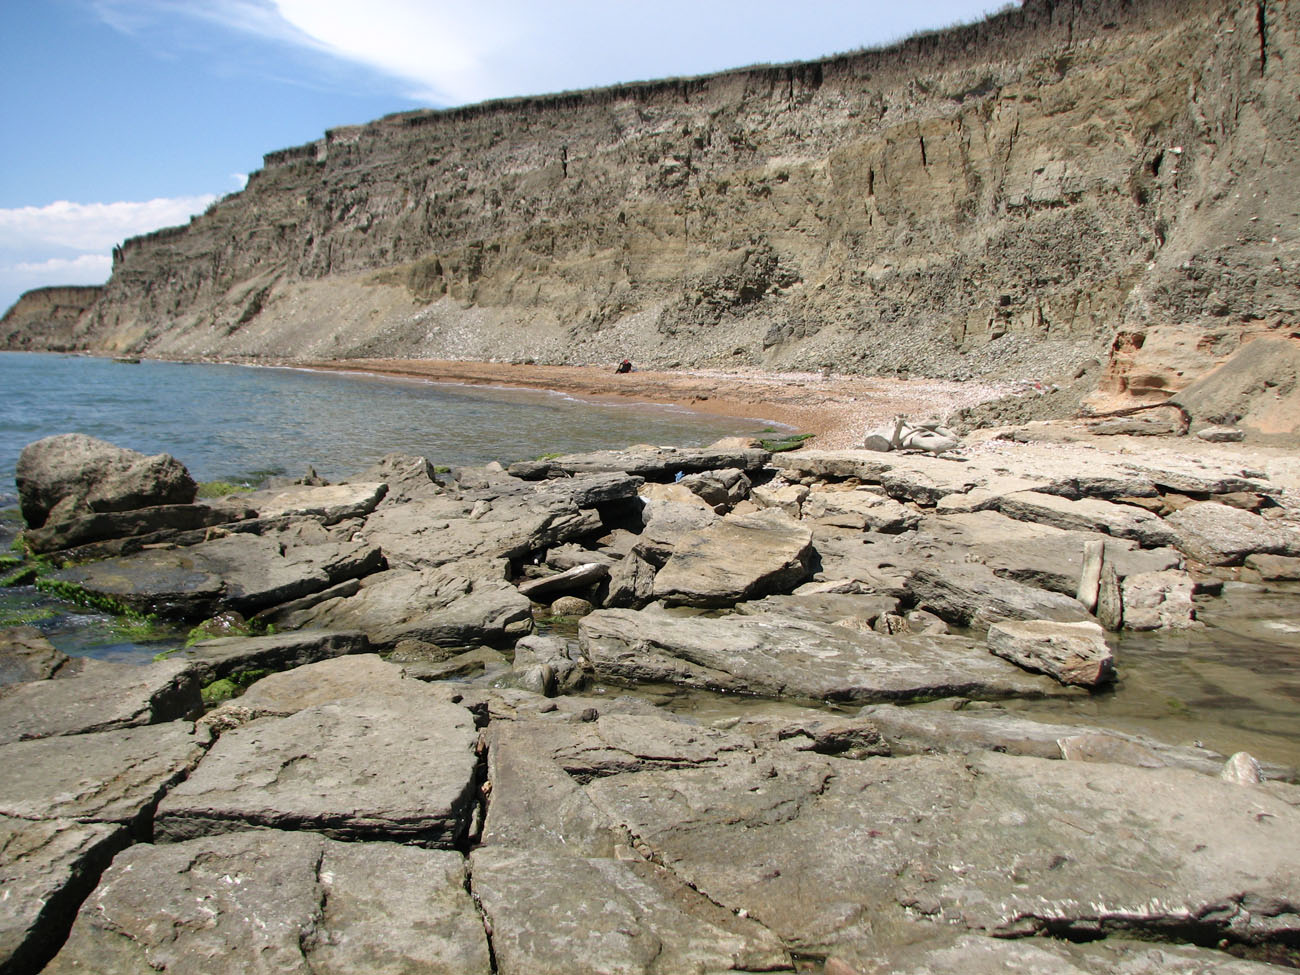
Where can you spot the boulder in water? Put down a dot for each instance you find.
(72, 473)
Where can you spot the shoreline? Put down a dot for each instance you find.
(837, 409)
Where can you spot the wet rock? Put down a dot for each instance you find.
(106, 776)
(859, 509)
(160, 523)
(565, 915)
(100, 697)
(651, 463)
(221, 657)
(1219, 534)
(376, 768)
(571, 606)
(47, 867)
(460, 666)
(917, 730)
(567, 674)
(577, 579)
(1089, 515)
(740, 557)
(773, 656)
(80, 474)
(292, 902)
(1159, 600)
(456, 605)
(1073, 653)
(26, 655)
(243, 572)
(971, 595)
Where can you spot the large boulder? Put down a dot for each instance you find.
(78, 474)
(1219, 534)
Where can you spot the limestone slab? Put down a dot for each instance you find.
(284, 902)
(399, 769)
(107, 776)
(102, 696)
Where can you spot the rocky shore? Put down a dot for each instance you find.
(431, 766)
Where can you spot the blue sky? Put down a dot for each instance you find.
(122, 116)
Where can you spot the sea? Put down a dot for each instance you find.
(243, 424)
(1233, 684)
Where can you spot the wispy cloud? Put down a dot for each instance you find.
(92, 226)
(447, 53)
(81, 267)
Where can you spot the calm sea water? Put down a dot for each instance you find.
(241, 423)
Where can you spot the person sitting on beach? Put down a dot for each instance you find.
(624, 366)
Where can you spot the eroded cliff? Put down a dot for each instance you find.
(1063, 181)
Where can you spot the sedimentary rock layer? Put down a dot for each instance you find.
(1063, 180)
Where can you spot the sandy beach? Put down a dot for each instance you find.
(837, 409)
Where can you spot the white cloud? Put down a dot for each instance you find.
(240, 179)
(449, 52)
(92, 226)
(83, 268)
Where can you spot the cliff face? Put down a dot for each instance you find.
(1064, 180)
(43, 319)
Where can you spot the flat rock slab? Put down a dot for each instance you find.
(214, 659)
(454, 606)
(102, 696)
(835, 853)
(331, 503)
(652, 463)
(971, 595)
(284, 902)
(553, 914)
(109, 776)
(859, 509)
(1219, 534)
(243, 572)
(334, 679)
(917, 730)
(401, 769)
(47, 867)
(1089, 515)
(26, 655)
(773, 656)
(430, 532)
(739, 557)
(156, 522)
(1038, 555)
